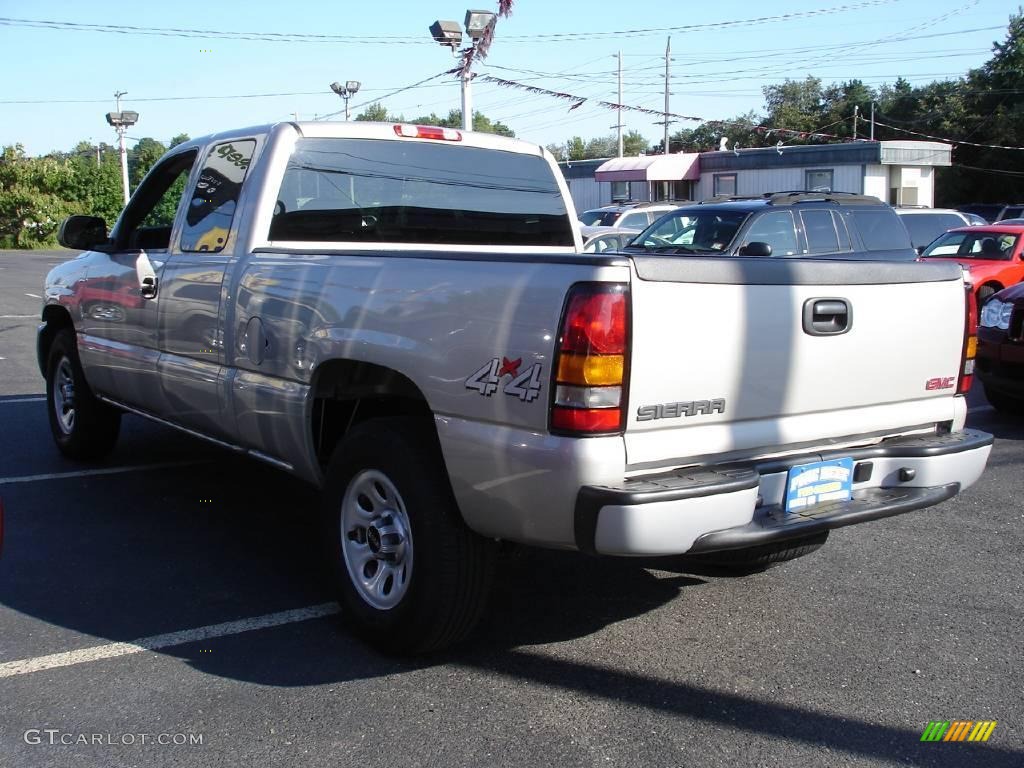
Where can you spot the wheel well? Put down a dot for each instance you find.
(990, 284)
(56, 318)
(349, 392)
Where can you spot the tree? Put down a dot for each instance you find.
(142, 157)
(796, 105)
(634, 143)
(31, 204)
(375, 113)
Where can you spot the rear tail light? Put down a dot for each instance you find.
(427, 132)
(592, 361)
(970, 347)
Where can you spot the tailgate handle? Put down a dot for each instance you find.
(827, 317)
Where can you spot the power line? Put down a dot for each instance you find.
(393, 93)
(948, 140)
(285, 37)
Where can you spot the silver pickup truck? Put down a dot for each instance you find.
(403, 316)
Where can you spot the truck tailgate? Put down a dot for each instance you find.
(726, 359)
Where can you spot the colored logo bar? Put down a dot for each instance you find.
(959, 730)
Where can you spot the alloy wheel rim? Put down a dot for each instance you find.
(376, 539)
(64, 396)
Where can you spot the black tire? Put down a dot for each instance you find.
(986, 292)
(449, 566)
(764, 556)
(92, 429)
(1004, 403)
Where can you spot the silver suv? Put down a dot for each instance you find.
(629, 215)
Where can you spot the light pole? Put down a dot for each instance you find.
(449, 34)
(121, 121)
(346, 92)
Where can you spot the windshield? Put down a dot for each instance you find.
(692, 231)
(599, 218)
(973, 245)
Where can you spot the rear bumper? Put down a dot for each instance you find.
(711, 509)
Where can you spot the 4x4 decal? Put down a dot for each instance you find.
(526, 385)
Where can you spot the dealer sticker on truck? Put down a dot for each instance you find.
(809, 484)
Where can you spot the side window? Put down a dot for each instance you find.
(820, 231)
(776, 229)
(636, 220)
(880, 229)
(148, 218)
(212, 207)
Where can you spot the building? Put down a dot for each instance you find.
(899, 172)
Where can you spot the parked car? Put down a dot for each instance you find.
(786, 224)
(926, 224)
(974, 219)
(993, 212)
(629, 215)
(1000, 360)
(993, 255)
(601, 239)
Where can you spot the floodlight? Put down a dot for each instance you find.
(477, 23)
(447, 33)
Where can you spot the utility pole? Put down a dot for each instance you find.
(856, 111)
(872, 121)
(668, 52)
(121, 122)
(619, 111)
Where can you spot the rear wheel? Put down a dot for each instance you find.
(83, 426)
(410, 575)
(1005, 403)
(758, 558)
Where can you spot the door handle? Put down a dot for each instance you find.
(827, 317)
(149, 287)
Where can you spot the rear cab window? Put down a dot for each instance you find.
(378, 190)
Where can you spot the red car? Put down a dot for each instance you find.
(994, 254)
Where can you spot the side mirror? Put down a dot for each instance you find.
(920, 249)
(82, 233)
(756, 248)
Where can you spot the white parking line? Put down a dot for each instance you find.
(15, 317)
(101, 471)
(34, 399)
(156, 642)
(34, 295)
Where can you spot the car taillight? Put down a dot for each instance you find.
(427, 132)
(592, 361)
(970, 347)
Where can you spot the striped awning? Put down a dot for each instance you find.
(650, 168)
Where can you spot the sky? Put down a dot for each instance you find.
(60, 79)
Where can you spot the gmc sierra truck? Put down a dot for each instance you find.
(403, 316)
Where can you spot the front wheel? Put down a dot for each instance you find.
(410, 575)
(83, 426)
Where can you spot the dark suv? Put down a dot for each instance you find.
(788, 224)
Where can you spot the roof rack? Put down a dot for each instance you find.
(806, 196)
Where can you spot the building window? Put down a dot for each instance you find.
(725, 184)
(819, 180)
(620, 191)
(681, 190)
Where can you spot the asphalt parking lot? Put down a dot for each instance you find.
(170, 595)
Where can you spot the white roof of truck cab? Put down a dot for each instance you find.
(323, 129)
